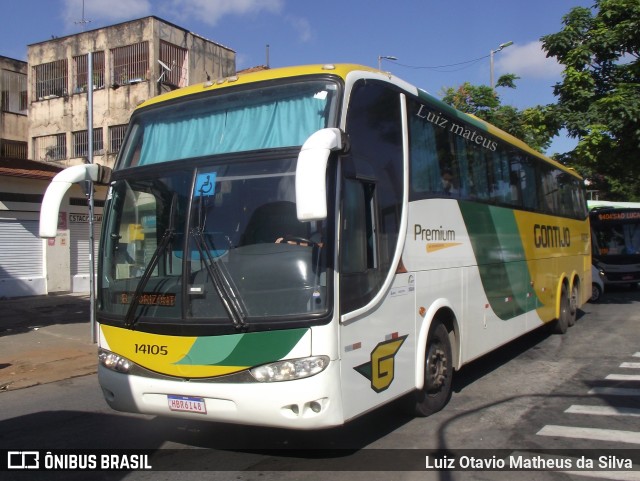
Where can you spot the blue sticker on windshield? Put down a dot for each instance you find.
(205, 184)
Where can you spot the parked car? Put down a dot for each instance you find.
(597, 283)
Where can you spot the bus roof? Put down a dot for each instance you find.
(341, 70)
(599, 204)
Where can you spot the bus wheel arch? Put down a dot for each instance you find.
(436, 366)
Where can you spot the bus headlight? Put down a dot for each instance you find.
(290, 369)
(112, 361)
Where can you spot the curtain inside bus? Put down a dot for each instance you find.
(283, 123)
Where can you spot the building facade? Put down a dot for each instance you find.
(131, 62)
(13, 108)
(44, 128)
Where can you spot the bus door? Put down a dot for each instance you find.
(377, 346)
(376, 304)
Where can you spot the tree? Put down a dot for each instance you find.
(599, 95)
(535, 126)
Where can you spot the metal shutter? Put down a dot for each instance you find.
(79, 252)
(20, 249)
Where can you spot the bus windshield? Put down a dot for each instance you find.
(616, 232)
(239, 121)
(219, 244)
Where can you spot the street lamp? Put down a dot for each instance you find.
(500, 47)
(386, 57)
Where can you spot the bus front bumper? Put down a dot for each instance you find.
(309, 403)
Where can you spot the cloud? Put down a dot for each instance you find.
(101, 13)
(301, 26)
(211, 11)
(528, 60)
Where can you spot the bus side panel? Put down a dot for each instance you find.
(378, 350)
(557, 249)
(492, 298)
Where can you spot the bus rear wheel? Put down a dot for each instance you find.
(564, 321)
(573, 305)
(438, 372)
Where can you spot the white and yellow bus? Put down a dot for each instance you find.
(298, 246)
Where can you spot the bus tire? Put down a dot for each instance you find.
(573, 305)
(596, 293)
(438, 372)
(562, 323)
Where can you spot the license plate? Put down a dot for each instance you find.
(187, 404)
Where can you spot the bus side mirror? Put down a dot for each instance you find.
(58, 188)
(311, 172)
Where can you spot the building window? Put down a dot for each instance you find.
(51, 80)
(116, 136)
(81, 143)
(14, 92)
(81, 68)
(130, 64)
(173, 65)
(13, 149)
(50, 147)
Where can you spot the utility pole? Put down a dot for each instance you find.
(500, 47)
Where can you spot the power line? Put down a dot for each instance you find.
(466, 63)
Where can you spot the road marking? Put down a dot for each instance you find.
(623, 377)
(628, 437)
(603, 410)
(631, 365)
(637, 354)
(615, 391)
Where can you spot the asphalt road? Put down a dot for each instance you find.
(574, 394)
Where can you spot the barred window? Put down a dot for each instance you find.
(116, 136)
(50, 147)
(81, 68)
(130, 64)
(14, 92)
(13, 148)
(51, 79)
(81, 143)
(174, 65)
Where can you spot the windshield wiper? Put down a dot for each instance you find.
(167, 237)
(222, 282)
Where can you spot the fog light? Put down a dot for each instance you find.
(290, 369)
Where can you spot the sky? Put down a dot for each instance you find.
(437, 43)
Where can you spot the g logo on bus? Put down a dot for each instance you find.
(380, 370)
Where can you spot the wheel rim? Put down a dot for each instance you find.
(437, 368)
(574, 300)
(565, 306)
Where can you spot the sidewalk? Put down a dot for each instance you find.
(45, 339)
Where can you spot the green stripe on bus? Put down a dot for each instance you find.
(502, 264)
(243, 349)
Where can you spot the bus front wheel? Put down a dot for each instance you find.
(438, 372)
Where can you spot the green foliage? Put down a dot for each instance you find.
(536, 125)
(507, 80)
(599, 95)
